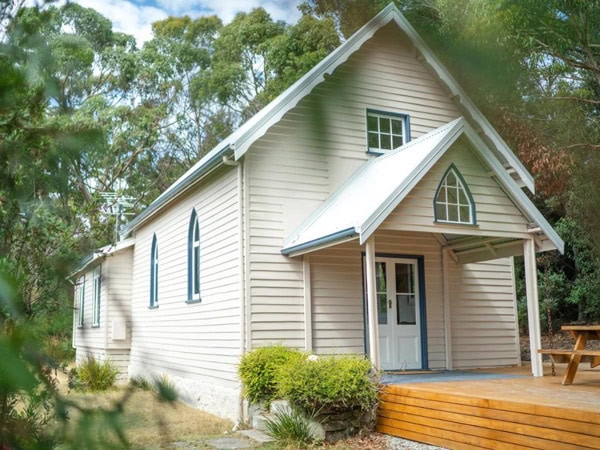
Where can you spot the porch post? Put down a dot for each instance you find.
(372, 302)
(533, 307)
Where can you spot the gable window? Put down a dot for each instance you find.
(80, 301)
(194, 259)
(97, 289)
(154, 274)
(386, 131)
(453, 202)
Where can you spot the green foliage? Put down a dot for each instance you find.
(165, 389)
(328, 384)
(259, 369)
(141, 383)
(292, 428)
(95, 376)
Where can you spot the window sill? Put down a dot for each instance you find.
(456, 224)
(376, 152)
(96, 326)
(79, 327)
(153, 307)
(191, 302)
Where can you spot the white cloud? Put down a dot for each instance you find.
(128, 17)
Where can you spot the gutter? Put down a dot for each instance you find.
(324, 241)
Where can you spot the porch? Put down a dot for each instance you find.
(499, 408)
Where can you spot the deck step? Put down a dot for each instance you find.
(465, 422)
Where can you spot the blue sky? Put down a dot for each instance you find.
(135, 16)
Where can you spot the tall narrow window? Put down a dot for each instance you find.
(97, 286)
(80, 301)
(386, 131)
(453, 202)
(194, 259)
(154, 274)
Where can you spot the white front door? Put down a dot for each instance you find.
(399, 320)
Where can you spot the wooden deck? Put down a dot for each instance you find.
(510, 413)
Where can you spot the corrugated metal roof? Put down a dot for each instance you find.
(240, 141)
(361, 204)
(100, 253)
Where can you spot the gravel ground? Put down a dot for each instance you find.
(404, 444)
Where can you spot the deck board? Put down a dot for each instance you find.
(524, 412)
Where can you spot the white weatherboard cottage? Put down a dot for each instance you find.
(370, 209)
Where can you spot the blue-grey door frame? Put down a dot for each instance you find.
(422, 302)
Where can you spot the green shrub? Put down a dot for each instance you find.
(291, 428)
(141, 383)
(328, 384)
(92, 375)
(258, 370)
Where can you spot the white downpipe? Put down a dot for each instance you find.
(308, 340)
(372, 302)
(533, 307)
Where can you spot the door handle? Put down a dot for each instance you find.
(389, 303)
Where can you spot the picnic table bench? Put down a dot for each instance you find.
(582, 334)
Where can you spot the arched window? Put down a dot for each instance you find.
(194, 259)
(154, 274)
(453, 202)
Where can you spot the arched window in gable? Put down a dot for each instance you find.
(453, 202)
(154, 273)
(194, 259)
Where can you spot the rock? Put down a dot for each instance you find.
(258, 436)
(318, 432)
(280, 407)
(229, 443)
(259, 421)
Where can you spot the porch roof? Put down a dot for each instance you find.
(363, 202)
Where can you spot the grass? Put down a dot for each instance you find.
(148, 422)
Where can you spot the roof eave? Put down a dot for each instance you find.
(185, 182)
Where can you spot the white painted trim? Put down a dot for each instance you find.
(516, 309)
(447, 309)
(241, 280)
(247, 299)
(372, 303)
(308, 340)
(533, 307)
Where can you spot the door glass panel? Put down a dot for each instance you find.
(381, 284)
(405, 294)
(406, 310)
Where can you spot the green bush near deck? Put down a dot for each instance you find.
(328, 384)
(325, 384)
(258, 371)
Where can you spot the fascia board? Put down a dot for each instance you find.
(514, 191)
(455, 88)
(369, 226)
(258, 125)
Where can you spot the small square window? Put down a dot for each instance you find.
(386, 131)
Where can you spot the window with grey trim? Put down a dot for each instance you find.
(80, 301)
(453, 201)
(96, 296)
(194, 259)
(386, 131)
(154, 273)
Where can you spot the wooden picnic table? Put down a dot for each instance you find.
(582, 334)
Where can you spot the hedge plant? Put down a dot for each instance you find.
(258, 371)
(328, 384)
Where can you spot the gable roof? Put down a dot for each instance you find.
(360, 205)
(238, 143)
(93, 258)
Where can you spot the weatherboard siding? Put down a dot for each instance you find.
(309, 153)
(483, 314)
(197, 345)
(88, 337)
(120, 267)
(497, 215)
